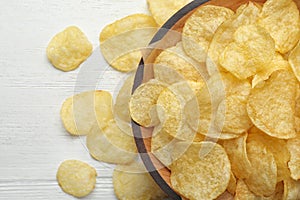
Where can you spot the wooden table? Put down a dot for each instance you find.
(33, 141)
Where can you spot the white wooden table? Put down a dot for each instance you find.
(33, 141)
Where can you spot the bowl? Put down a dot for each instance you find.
(167, 37)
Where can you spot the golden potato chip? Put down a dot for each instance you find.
(291, 189)
(294, 60)
(243, 192)
(163, 10)
(206, 165)
(232, 184)
(173, 65)
(170, 109)
(121, 41)
(142, 105)
(236, 119)
(279, 150)
(162, 146)
(222, 106)
(113, 144)
(237, 153)
(80, 112)
(281, 19)
(278, 63)
(251, 52)
(121, 107)
(263, 177)
(68, 49)
(294, 163)
(199, 29)
(76, 178)
(246, 15)
(271, 105)
(134, 182)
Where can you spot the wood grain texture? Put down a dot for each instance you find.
(33, 141)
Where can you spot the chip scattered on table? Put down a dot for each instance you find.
(76, 178)
(122, 41)
(68, 49)
(80, 112)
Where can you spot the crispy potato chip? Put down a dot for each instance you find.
(294, 163)
(232, 184)
(281, 19)
(170, 109)
(133, 182)
(121, 41)
(291, 189)
(294, 60)
(251, 52)
(142, 105)
(278, 63)
(263, 178)
(68, 49)
(163, 10)
(200, 27)
(279, 150)
(173, 65)
(222, 106)
(80, 112)
(271, 105)
(162, 146)
(243, 192)
(237, 153)
(113, 144)
(236, 117)
(76, 178)
(246, 15)
(121, 107)
(206, 165)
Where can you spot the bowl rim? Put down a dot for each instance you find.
(139, 75)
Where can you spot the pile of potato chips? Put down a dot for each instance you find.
(224, 103)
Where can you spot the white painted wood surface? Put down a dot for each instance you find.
(33, 141)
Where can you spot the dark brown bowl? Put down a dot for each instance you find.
(167, 37)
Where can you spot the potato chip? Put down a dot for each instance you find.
(278, 63)
(271, 105)
(80, 112)
(251, 52)
(173, 65)
(246, 15)
(170, 108)
(68, 49)
(204, 164)
(163, 10)
(237, 153)
(121, 41)
(232, 184)
(294, 60)
(76, 178)
(162, 146)
(236, 119)
(291, 189)
(279, 150)
(243, 192)
(133, 182)
(222, 106)
(121, 107)
(113, 144)
(294, 163)
(281, 19)
(263, 177)
(142, 105)
(200, 27)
